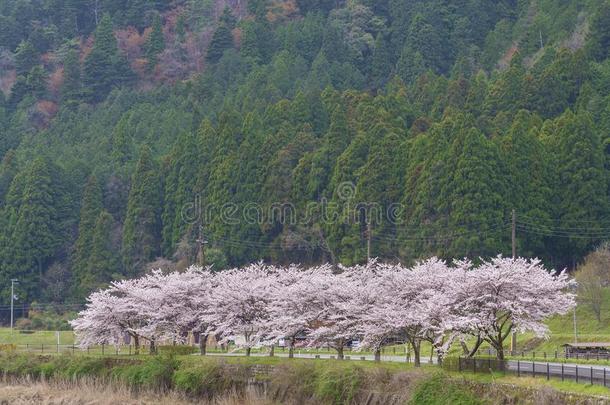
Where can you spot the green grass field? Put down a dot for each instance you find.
(35, 337)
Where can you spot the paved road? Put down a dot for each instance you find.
(526, 367)
(569, 370)
(348, 356)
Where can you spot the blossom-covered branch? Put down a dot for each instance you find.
(375, 304)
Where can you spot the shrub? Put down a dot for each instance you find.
(78, 367)
(203, 380)
(177, 350)
(297, 378)
(8, 347)
(439, 390)
(46, 320)
(339, 384)
(47, 370)
(19, 365)
(154, 374)
(52, 367)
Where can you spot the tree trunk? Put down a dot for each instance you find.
(500, 352)
(500, 346)
(153, 347)
(598, 311)
(432, 354)
(203, 343)
(475, 349)
(377, 355)
(291, 348)
(136, 344)
(416, 345)
(439, 359)
(465, 350)
(339, 350)
(248, 350)
(272, 351)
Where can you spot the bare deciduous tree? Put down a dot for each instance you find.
(593, 278)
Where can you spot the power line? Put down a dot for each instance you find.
(255, 244)
(570, 235)
(581, 221)
(7, 307)
(445, 237)
(563, 228)
(379, 238)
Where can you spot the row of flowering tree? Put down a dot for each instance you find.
(376, 304)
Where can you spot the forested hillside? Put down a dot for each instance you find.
(296, 131)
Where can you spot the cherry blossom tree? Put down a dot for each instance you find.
(184, 301)
(367, 293)
(143, 299)
(291, 310)
(154, 307)
(109, 315)
(331, 318)
(504, 295)
(436, 282)
(411, 304)
(241, 303)
(376, 303)
(101, 322)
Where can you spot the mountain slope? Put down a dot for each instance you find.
(297, 131)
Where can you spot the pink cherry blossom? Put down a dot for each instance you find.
(376, 304)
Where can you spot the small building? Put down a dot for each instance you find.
(588, 350)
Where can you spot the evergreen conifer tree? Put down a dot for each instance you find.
(582, 186)
(90, 208)
(37, 82)
(105, 66)
(34, 229)
(529, 191)
(475, 198)
(221, 41)
(598, 45)
(103, 264)
(26, 57)
(71, 89)
(155, 44)
(142, 228)
(381, 64)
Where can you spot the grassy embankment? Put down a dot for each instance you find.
(287, 381)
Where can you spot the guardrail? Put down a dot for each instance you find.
(46, 348)
(129, 350)
(594, 375)
(598, 355)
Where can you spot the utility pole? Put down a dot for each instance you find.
(514, 234)
(202, 242)
(369, 233)
(513, 337)
(13, 281)
(575, 329)
(575, 287)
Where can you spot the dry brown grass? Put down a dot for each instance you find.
(87, 392)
